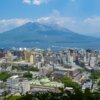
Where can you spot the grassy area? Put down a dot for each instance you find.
(4, 76)
(13, 98)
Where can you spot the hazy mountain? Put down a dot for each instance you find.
(95, 34)
(42, 33)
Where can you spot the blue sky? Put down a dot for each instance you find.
(82, 16)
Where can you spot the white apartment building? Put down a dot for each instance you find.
(71, 72)
(13, 84)
(17, 86)
(25, 86)
(92, 62)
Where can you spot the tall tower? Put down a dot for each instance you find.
(32, 58)
(92, 62)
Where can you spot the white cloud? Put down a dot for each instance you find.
(56, 18)
(87, 26)
(93, 21)
(27, 1)
(7, 24)
(35, 2)
(16, 22)
(92, 25)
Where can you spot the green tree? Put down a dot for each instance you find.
(27, 75)
(77, 94)
(95, 75)
(69, 83)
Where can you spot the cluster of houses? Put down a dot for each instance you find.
(50, 64)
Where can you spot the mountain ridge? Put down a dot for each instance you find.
(43, 33)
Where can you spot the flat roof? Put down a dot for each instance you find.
(15, 76)
(68, 69)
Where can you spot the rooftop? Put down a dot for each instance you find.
(15, 76)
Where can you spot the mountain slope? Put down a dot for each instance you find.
(43, 33)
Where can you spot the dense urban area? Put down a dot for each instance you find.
(29, 73)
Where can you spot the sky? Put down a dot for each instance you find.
(82, 16)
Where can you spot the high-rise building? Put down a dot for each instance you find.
(25, 86)
(13, 84)
(92, 62)
(32, 59)
(27, 55)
